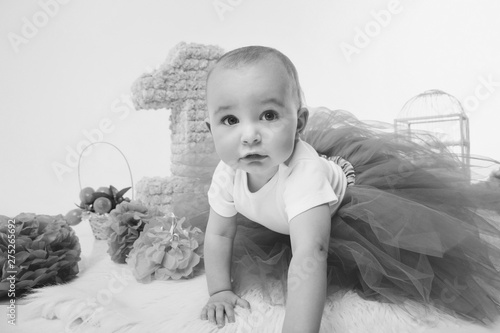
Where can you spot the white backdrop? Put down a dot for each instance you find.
(66, 68)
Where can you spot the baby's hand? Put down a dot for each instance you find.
(220, 304)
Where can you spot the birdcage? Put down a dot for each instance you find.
(438, 120)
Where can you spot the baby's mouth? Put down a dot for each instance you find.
(254, 157)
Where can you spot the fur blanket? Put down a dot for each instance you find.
(106, 298)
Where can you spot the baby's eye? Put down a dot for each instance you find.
(229, 120)
(270, 115)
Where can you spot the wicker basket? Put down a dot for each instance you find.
(98, 222)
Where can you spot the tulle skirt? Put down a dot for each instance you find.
(413, 227)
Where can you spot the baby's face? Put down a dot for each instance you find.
(253, 116)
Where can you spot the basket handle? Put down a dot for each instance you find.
(121, 153)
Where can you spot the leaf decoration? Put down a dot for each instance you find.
(120, 194)
(114, 191)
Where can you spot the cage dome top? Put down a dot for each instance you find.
(431, 103)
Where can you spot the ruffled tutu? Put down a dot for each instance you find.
(413, 227)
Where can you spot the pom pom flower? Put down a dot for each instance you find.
(166, 250)
(124, 225)
(47, 252)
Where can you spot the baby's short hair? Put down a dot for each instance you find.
(249, 55)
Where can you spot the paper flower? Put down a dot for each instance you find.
(166, 250)
(47, 252)
(124, 225)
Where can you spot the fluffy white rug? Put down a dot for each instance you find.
(106, 298)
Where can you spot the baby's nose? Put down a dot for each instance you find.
(250, 135)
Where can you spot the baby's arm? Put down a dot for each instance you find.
(309, 234)
(218, 249)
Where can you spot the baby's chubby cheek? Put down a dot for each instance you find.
(278, 131)
(269, 133)
(227, 150)
(281, 138)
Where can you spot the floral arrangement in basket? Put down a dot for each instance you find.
(154, 245)
(95, 206)
(46, 250)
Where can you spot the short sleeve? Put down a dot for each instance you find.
(220, 194)
(308, 185)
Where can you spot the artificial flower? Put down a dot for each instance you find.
(124, 225)
(47, 252)
(166, 250)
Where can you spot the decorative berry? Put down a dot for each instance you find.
(86, 195)
(102, 205)
(74, 216)
(106, 190)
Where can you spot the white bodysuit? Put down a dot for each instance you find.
(307, 181)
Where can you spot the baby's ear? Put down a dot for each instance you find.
(302, 117)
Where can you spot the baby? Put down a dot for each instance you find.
(269, 175)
